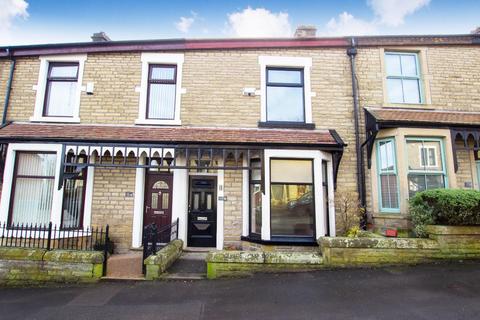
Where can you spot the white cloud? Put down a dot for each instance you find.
(10, 9)
(347, 24)
(388, 13)
(393, 12)
(184, 24)
(258, 22)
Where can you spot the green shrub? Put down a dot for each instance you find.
(452, 207)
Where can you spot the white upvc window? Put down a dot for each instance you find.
(286, 95)
(160, 89)
(59, 88)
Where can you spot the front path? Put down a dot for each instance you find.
(444, 291)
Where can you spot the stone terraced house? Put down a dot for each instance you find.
(244, 142)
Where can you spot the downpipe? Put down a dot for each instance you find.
(9, 88)
(352, 53)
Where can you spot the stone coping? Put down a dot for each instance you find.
(453, 230)
(262, 257)
(377, 243)
(12, 253)
(157, 264)
(36, 254)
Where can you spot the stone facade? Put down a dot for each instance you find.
(111, 206)
(214, 80)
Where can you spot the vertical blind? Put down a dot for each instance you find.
(388, 174)
(161, 92)
(33, 188)
(73, 203)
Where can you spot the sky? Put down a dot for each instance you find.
(54, 21)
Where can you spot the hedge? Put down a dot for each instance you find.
(453, 207)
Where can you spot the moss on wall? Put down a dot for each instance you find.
(22, 266)
(157, 264)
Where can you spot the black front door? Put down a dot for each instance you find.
(202, 212)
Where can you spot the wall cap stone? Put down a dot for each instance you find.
(377, 243)
(94, 257)
(262, 257)
(452, 230)
(12, 253)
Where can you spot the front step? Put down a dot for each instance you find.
(125, 266)
(190, 264)
(185, 276)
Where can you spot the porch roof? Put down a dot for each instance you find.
(396, 117)
(169, 135)
(461, 124)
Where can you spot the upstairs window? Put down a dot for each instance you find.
(285, 95)
(61, 89)
(403, 78)
(160, 89)
(161, 92)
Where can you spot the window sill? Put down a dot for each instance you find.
(282, 241)
(158, 122)
(286, 125)
(56, 119)
(409, 105)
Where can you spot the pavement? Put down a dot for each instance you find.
(439, 291)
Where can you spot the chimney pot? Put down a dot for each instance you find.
(100, 37)
(306, 31)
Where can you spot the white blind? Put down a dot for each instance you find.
(291, 171)
(34, 186)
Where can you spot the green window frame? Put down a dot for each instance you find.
(387, 175)
(428, 173)
(403, 79)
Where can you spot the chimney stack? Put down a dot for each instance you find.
(306, 31)
(100, 37)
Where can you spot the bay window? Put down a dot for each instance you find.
(426, 164)
(387, 175)
(292, 205)
(255, 191)
(33, 188)
(74, 197)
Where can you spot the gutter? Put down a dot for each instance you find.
(8, 89)
(352, 52)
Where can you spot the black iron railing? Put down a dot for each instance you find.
(155, 238)
(51, 237)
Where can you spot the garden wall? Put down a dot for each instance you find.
(158, 263)
(221, 264)
(444, 242)
(19, 266)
